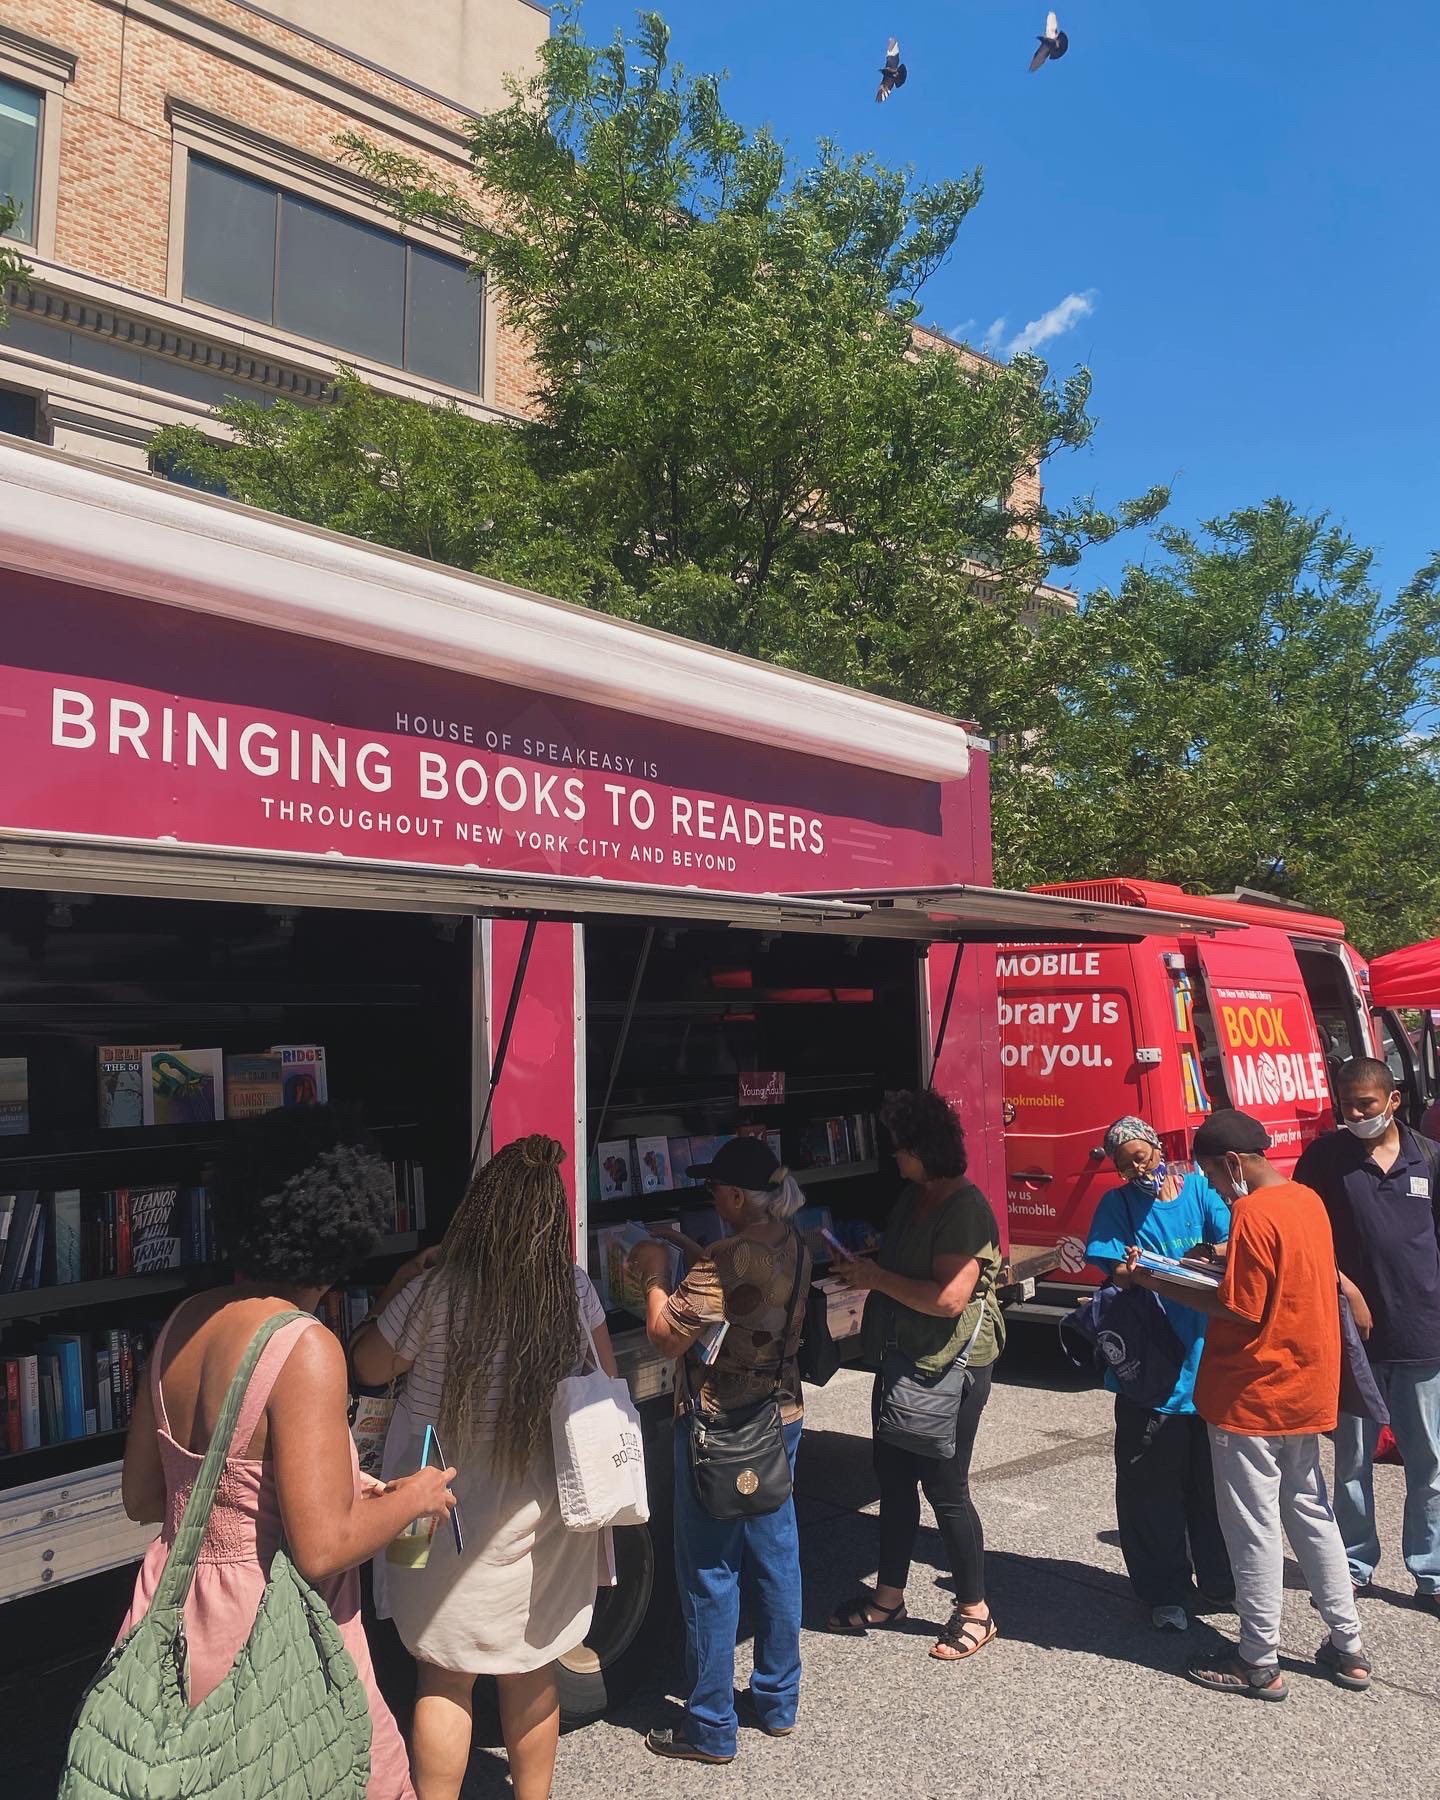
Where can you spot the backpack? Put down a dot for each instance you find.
(1124, 1332)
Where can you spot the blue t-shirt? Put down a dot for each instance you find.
(1197, 1215)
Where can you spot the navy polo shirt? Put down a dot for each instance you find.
(1385, 1238)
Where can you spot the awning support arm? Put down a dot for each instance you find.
(624, 1037)
(502, 1047)
(945, 1014)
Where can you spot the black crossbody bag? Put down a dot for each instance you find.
(919, 1413)
(738, 1462)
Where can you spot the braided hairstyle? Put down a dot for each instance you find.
(507, 1267)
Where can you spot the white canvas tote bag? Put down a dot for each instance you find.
(599, 1449)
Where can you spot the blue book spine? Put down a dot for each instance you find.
(66, 1350)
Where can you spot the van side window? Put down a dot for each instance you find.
(1333, 1006)
(1207, 1039)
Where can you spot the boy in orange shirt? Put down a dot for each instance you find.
(1267, 1387)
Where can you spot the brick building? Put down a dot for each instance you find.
(193, 230)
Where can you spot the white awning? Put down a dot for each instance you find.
(180, 872)
(979, 915)
(125, 533)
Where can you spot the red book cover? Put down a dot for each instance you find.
(14, 1430)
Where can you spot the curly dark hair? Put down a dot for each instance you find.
(299, 1198)
(927, 1127)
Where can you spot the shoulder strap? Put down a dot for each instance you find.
(180, 1564)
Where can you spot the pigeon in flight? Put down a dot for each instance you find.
(1053, 45)
(893, 75)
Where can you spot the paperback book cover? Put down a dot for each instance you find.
(617, 1170)
(20, 1239)
(303, 1077)
(183, 1087)
(652, 1156)
(157, 1228)
(121, 1083)
(14, 1096)
(65, 1217)
(253, 1085)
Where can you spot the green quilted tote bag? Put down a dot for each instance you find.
(289, 1722)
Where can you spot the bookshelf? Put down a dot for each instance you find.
(388, 995)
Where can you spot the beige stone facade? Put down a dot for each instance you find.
(108, 345)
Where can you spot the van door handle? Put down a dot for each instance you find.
(1037, 1175)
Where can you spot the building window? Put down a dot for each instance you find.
(19, 415)
(254, 249)
(169, 470)
(19, 154)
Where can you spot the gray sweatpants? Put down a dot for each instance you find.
(1261, 1485)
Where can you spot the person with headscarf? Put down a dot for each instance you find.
(1164, 1493)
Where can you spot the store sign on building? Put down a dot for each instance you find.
(120, 718)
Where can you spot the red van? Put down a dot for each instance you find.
(1259, 1017)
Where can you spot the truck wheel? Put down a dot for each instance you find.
(629, 1632)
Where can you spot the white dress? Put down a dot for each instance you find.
(524, 1590)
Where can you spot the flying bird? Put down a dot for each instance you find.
(1053, 44)
(893, 75)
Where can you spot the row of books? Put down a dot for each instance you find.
(831, 1143)
(625, 1167)
(51, 1239)
(167, 1084)
(73, 1386)
(657, 1165)
(342, 1309)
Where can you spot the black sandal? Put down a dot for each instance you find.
(851, 1618)
(965, 1634)
(1233, 1675)
(1337, 1663)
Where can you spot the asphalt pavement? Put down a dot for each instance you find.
(1078, 1696)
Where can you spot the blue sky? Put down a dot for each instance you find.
(1233, 203)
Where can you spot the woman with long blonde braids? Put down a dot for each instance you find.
(482, 1333)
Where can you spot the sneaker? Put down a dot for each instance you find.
(678, 1748)
(1169, 1618)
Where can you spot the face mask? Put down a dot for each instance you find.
(1153, 1180)
(1240, 1184)
(1370, 1129)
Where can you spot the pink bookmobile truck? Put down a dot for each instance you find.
(494, 865)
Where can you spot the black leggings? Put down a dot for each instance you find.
(947, 1487)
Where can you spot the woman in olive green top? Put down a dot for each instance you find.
(932, 1291)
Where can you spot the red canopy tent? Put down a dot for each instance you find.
(1408, 977)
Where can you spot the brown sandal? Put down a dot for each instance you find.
(852, 1617)
(964, 1634)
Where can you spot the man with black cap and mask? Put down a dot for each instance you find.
(1380, 1182)
(1268, 1387)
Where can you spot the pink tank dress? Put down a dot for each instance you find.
(243, 1535)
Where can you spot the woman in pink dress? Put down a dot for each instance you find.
(297, 1209)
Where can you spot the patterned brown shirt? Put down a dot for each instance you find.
(749, 1284)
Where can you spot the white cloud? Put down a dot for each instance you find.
(961, 332)
(1062, 317)
(994, 334)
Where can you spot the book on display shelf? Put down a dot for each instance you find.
(14, 1096)
(70, 1386)
(617, 1169)
(121, 1073)
(253, 1085)
(652, 1159)
(304, 1078)
(183, 1087)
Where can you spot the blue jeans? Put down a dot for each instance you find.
(1412, 1392)
(712, 1558)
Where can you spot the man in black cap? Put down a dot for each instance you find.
(1268, 1387)
(1380, 1182)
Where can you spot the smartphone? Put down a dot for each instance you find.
(432, 1443)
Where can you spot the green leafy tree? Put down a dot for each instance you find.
(12, 269)
(1248, 712)
(738, 434)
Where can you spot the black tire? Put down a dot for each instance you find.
(633, 1626)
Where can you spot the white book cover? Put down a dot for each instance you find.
(652, 1158)
(617, 1169)
(183, 1087)
(304, 1077)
